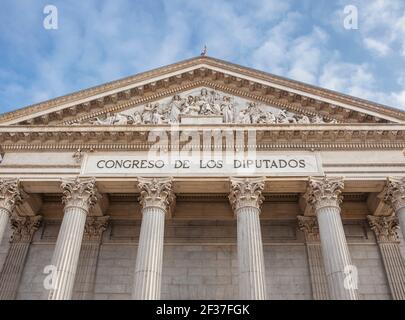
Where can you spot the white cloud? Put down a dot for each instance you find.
(380, 48)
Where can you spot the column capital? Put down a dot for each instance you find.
(94, 227)
(324, 192)
(24, 227)
(394, 193)
(246, 192)
(384, 227)
(11, 194)
(156, 192)
(309, 225)
(80, 192)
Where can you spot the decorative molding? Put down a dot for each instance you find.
(324, 192)
(24, 227)
(299, 136)
(384, 227)
(394, 193)
(156, 192)
(309, 225)
(11, 194)
(79, 192)
(246, 192)
(94, 227)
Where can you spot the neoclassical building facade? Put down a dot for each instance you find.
(203, 180)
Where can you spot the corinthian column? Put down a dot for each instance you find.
(24, 228)
(246, 199)
(11, 195)
(394, 195)
(385, 229)
(79, 196)
(324, 194)
(319, 283)
(89, 252)
(156, 198)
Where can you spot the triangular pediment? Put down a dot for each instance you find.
(235, 94)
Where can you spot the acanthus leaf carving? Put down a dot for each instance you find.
(11, 194)
(385, 228)
(156, 192)
(324, 192)
(394, 193)
(24, 227)
(309, 225)
(94, 227)
(246, 192)
(80, 192)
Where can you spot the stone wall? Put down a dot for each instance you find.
(200, 261)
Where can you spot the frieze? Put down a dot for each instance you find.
(206, 103)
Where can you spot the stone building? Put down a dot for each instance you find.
(202, 180)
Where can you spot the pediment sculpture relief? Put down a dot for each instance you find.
(206, 104)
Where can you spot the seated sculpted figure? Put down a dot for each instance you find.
(190, 108)
(267, 118)
(244, 117)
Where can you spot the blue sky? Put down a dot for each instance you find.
(103, 40)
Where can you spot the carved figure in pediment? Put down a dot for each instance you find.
(98, 121)
(174, 109)
(283, 117)
(122, 119)
(216, 100)
(227, 110)
(137, 118)
(148, 113)
(157, 116)
(254, 112)
(303, 120)
(317, 119)
(244, 117)
(268, 118)
(189, 107)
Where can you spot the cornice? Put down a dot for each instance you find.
(197, 71)
(280, 136)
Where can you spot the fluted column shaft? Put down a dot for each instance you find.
(401, 218)
(4, 214)
(157, 200)
(246, 199)
(335, 252)
(23, 231)
(79, 197)
(319, 283)
(385, 229)
(149, 261)
(88, 258)
(11, 195)
(252, 282)
(325, 195)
